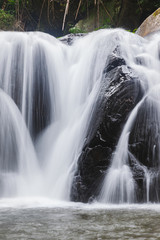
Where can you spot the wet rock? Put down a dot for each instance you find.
(70, 38)
(143, 145)
(120, 92)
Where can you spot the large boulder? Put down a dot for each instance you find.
(151, 24)
(120, 92)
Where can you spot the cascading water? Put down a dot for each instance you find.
(49, 92)
(17, 157)
(55, 87)
(120, 185)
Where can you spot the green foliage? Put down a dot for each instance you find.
(11, 2)
(157, 12)
(75, 30)
(6, 20)
(14, 2)
(10, 7)
(103, 27)
(50, 12)
(134, 30)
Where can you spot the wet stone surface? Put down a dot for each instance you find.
(120, 92)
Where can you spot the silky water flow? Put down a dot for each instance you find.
(47, 97)
(119, 185)
(48, 94)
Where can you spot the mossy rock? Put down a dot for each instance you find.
(156, 12)
(151, 24)
(90, 23)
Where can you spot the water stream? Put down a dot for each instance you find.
(48, 94)
(119, 184)
(54, 87)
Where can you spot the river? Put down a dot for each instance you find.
(43, 219)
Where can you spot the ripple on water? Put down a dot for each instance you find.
(46, 220)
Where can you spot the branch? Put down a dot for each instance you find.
(53, 17)
(106, 11)
(65, 14)
(80, 1)
(17, 9)
(98, 13)
(48, 12)
(41, 13)
(87, 9)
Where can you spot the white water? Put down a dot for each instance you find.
(47, 79)
(119, 185)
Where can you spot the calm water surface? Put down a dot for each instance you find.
(46, 221)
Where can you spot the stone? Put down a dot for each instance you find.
(144, 151)
(151, 24)
(120, 92)
(70, 38)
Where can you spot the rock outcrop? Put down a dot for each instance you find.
(151, 24)
(120, 92)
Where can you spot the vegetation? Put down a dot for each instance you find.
(7, 20)
(59, 17)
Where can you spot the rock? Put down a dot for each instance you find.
(70, 38)
(120, 92)
(145, 150)
(151, 24)
(92, 21)
(85, 25)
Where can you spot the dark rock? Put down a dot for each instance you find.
(120, 92)
(70, 38)
(91, 169)
(143, 144)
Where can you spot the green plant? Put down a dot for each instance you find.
(75, 30)
(134, 30)
(103, 27)
(6, 20)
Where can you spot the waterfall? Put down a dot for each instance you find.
(48, 94)
(119, 185)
